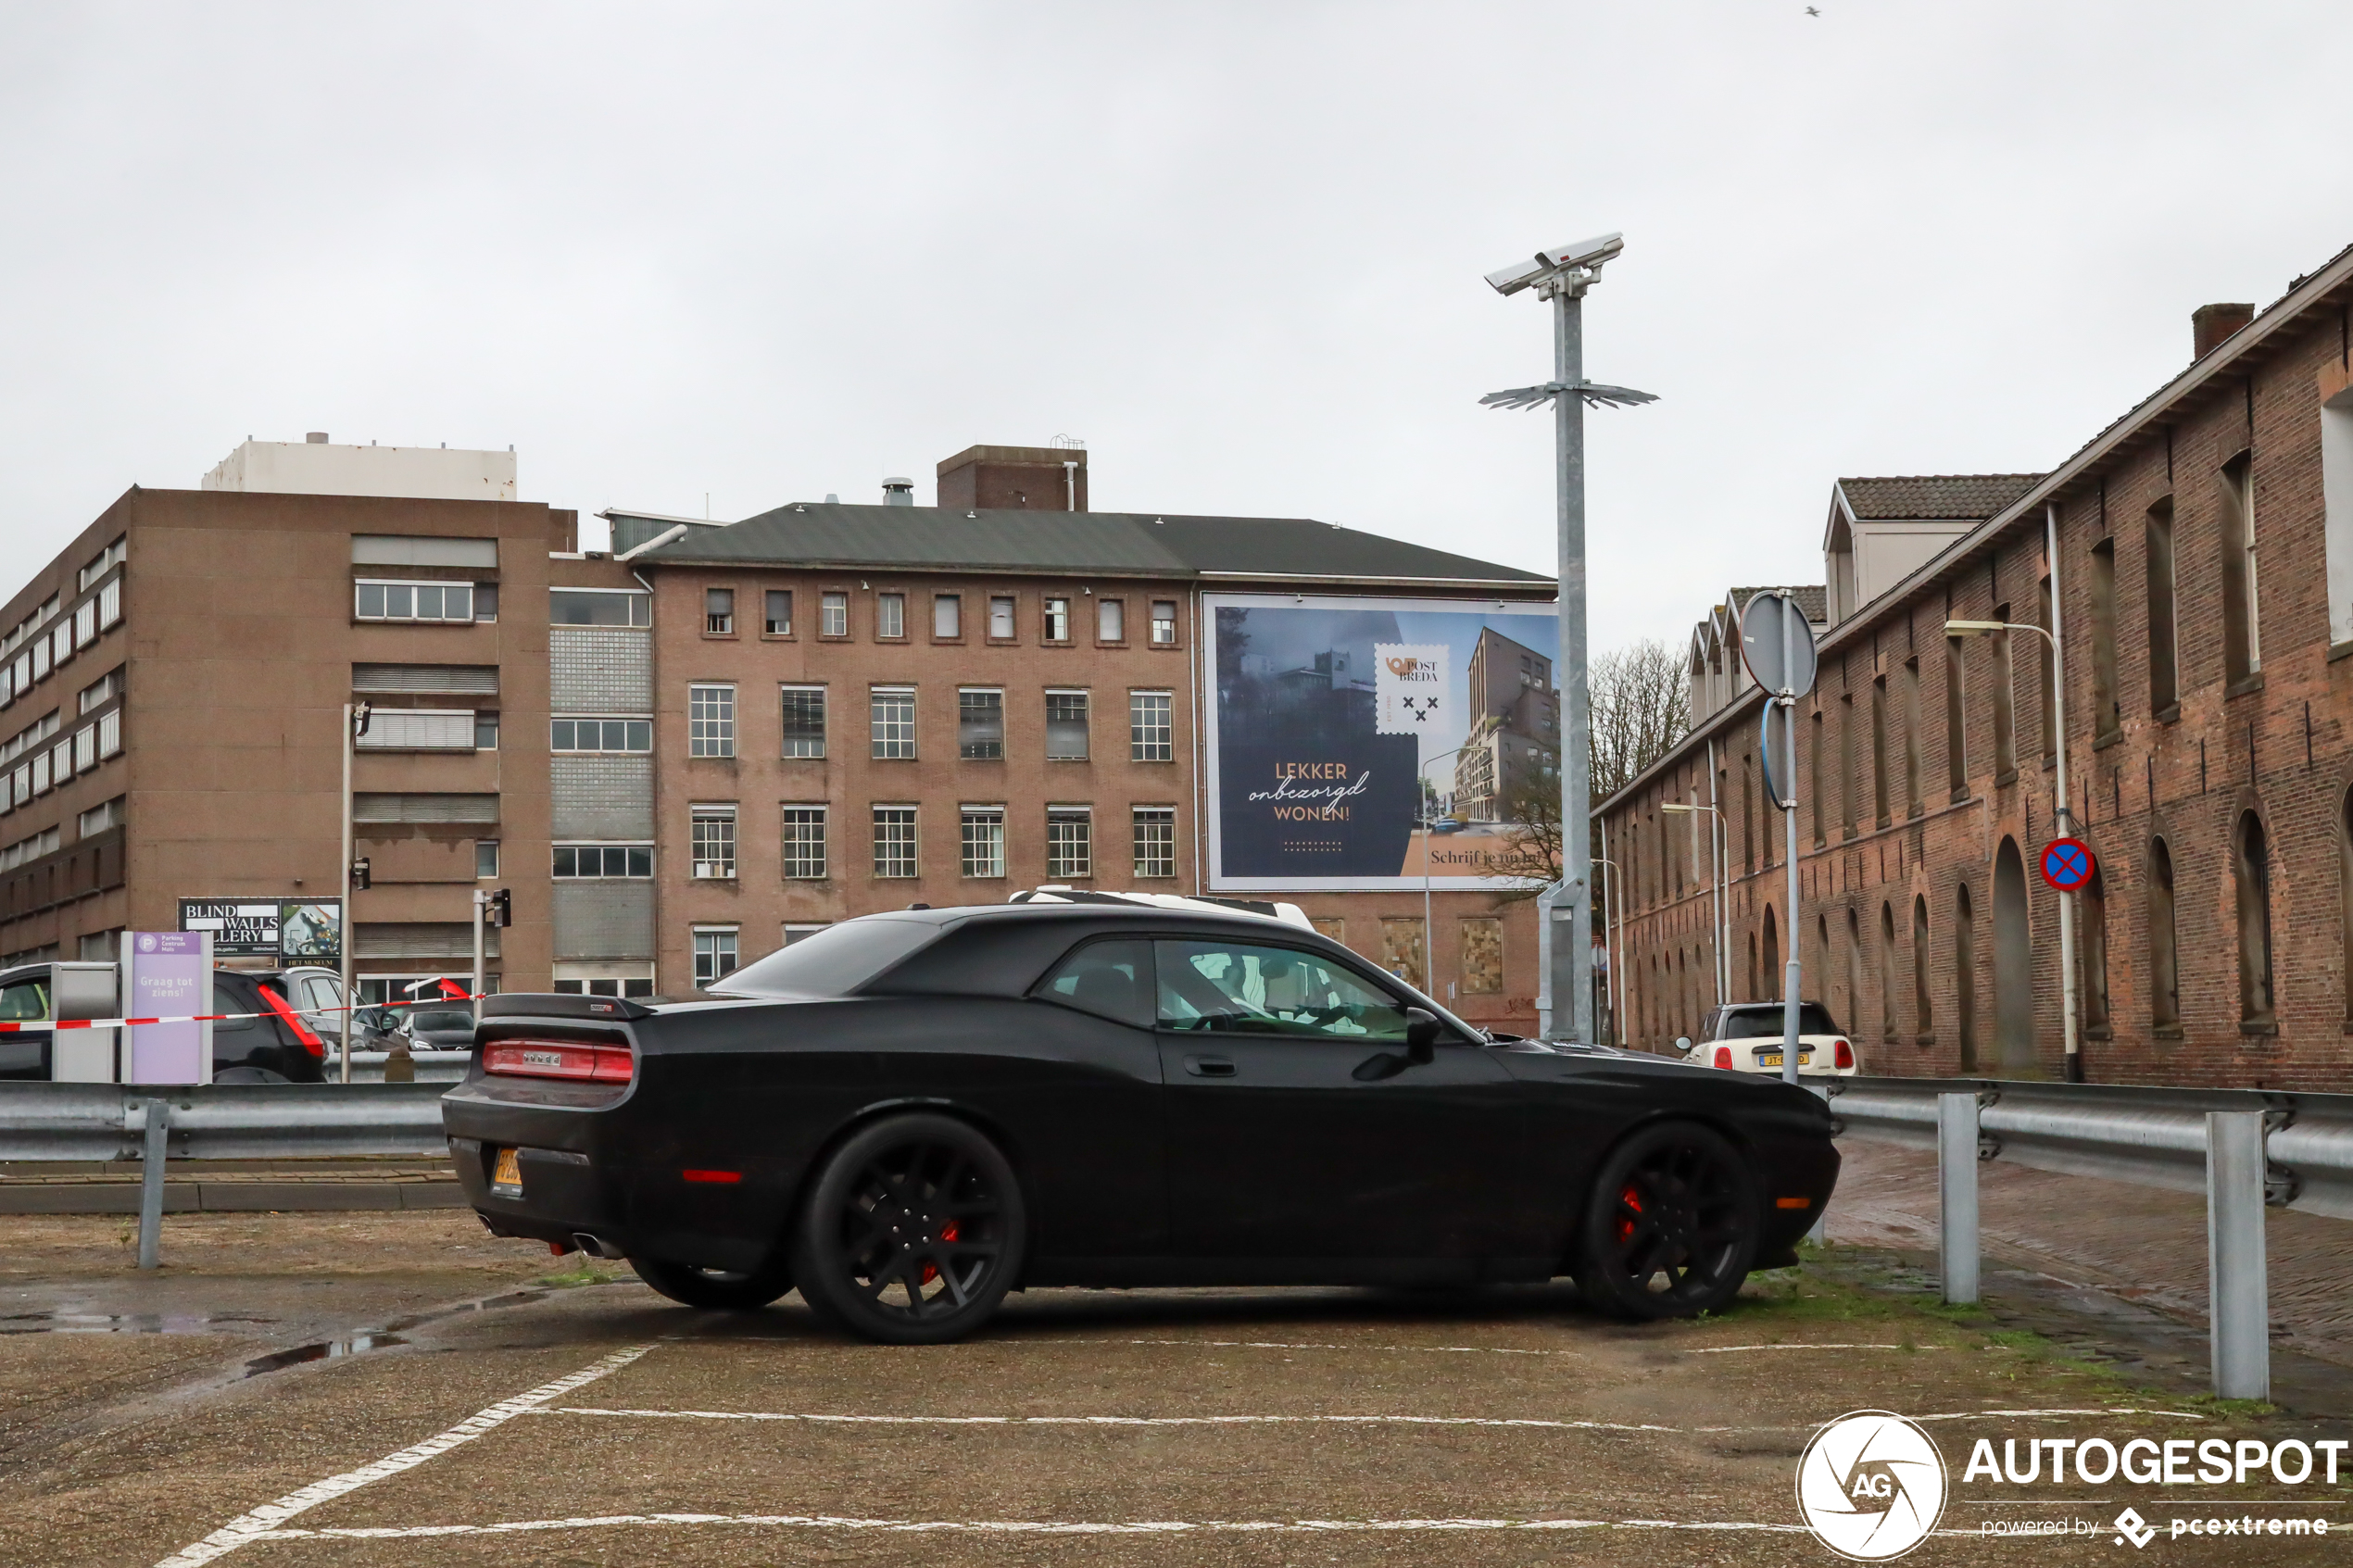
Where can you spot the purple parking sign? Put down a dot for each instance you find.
(169, 975)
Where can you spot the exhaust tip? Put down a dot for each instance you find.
(597, 1246)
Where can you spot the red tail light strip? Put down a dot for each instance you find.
(577, 1061)
(718, 1178)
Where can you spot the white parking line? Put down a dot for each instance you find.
(1728, 1349)
(1038, 1526)
(263, 1523)
(832, 1419)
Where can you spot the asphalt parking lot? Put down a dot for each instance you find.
(589, 1422)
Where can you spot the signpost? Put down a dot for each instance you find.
(1777, 644)
(167, 974)
(2067, 865)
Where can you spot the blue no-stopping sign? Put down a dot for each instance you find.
(2068, 864)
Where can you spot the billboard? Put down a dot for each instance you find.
(290, 930)
(1358, 743)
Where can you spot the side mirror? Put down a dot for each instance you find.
(1683, 1045)
(1421, 1034)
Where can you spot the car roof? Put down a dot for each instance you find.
(1146, 916)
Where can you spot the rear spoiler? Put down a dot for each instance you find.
(544, 1004)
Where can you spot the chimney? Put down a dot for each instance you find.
(899, 491)
(1049, 479)
(2211, 324)
(316, 438)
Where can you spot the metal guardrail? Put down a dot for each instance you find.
(431, 1067)
(2147, 1136)
(221, 1121)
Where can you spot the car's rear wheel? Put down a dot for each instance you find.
(714, 1289)
(1670, 1230)
(911, 1234)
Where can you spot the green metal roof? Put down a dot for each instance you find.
(1135, 543)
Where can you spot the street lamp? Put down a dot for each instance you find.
(1562, 275)
(2061, 810)
(1715, 881)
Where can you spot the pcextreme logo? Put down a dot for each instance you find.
(1871, 1485)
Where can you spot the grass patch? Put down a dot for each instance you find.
(580, 1273)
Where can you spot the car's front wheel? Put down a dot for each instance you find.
(912, 1233)
(714, 1289)
(1671, 1229)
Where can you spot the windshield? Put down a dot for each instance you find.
(441, 1020)
(833, 962)
(1764, 1022)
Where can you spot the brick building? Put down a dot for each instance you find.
(2204, 599)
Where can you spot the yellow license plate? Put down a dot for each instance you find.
(1773, 1058)
(506, 1174)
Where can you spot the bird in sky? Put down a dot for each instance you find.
(1812, 12)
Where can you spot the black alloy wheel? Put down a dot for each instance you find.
(912, 1232)
(714, 1289)
(1670, 1230)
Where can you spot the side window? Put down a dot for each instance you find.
(25, 1001)
(322, 992)
(225, 999)
(1236, 987)
(1109, 979)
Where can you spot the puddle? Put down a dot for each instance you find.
(117, 1323)
(323, 1350)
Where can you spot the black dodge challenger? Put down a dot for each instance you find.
(907, 1115)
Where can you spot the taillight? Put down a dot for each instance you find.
(302, 1032)
(1724, 1058)
(575, 1060)
(1845, 1058)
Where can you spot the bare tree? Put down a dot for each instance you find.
(1639, 699)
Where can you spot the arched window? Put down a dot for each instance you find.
(1887, 971)
(1855, 970)
(1965, 976)
(1920, 1014)
(2013, 963)
(2097, 1022)
(2252, 863)
(1772, 958)
(1751, 969)
(2165, 961)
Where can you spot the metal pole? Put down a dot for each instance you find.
(350, 933)
(1790, 970)
(1716, 879)
(1572, 960)
(2062, 813)
(482, 900)
(152, 1155)
(2237, 1293)
(1957, 1196)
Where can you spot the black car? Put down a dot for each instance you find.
(278, 1048)
(907, 1115)
(442, 1028)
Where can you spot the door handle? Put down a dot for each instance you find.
(1209, 1066)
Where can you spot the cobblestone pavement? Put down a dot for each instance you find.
(2141, 1244)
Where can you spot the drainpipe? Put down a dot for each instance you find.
(1718, 869)
(2063, 812)
(655, 543)
(1070, 484)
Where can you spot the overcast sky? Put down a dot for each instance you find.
(765, 252)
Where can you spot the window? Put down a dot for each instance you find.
(85, 625)
(714, 955)
(1070, 833)
(718, 612)
(777, 622)
(1111, 980)
(804, 721)
(414, 601)
(1151, 735)
(2336, 509)
(1847, 793)
(2252, 860)
(40, 774)
(419, 729)
(2107, 717)
(1482, 937)
(2165, 964)
(1956, 716)
(1879, 750)
(890, 615)
(980, 723)
(1243, 988)
(2005, 704)
(1110, 621)
(85, 749)
(1155, 841)
(947, 617)
(894, 841)
(602, 861)
(1065, 726)
(600, 606)
(110, 604)
(1058, 620)
(2242, 633)
(833, 615)
(1921, 1027)
(2047, 673)
(891, 712)
(486, 857)
(2164, 675)
(110, 733)
(101, 691)
(805, 842)
(984, 841)
(63, 640)
(1886, 970)
(1965, 976)
(1908, 716)
(710, 721)
(1163, 623)
(714, 840)
(2096, 1011)
(98, 819)
(610, 735)
(1000, 618)
(1814, 766)
(40, 662)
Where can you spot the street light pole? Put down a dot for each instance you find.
(349, 935)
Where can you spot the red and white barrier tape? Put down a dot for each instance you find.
(280, 1010)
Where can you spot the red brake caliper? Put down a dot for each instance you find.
(948, 1232)
(1634, 1201)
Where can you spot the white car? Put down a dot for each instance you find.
(1746, 1037)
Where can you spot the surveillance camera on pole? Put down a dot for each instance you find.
(1561, 274)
